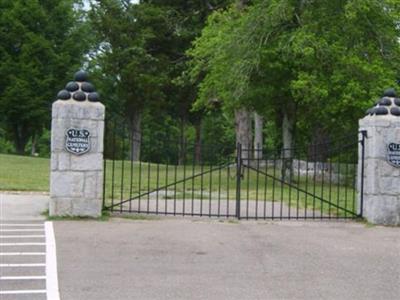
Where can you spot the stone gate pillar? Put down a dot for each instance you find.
(382, 161)
(77, 129)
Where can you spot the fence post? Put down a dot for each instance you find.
(364, 135)
(379, 162)
(238, 177)
(77, 132)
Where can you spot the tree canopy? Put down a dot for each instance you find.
(327, 59)
(41, 44)
(197, 70)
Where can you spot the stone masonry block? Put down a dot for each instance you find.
(54, 162)
(383, 210)
(60, 207)
(93, 188)
(66, 184)
(87, 208)
(87, 162)
(389, 186)
(78, 110)
(64, 161)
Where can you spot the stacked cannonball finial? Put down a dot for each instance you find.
(79, 90)
(389, 104)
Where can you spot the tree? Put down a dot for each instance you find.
(133, 43)
(143, 45)
(317, 62)
(41, 45)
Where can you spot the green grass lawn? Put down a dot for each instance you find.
(24, 173)
(125, 180)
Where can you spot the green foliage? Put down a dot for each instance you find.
(328, 58)
(131, 49)
(42, 46)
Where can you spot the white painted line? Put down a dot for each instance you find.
(22, 292)
(20, 236)
(22, 277)
(22, 244)
(20, 230)
(51, 263)
(21, 265)
(21, 253)
(21, 225)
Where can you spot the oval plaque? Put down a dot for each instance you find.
(77, 141)
(393, 154)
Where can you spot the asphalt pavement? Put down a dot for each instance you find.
(204, 259)
(188, 258)
(28, 268)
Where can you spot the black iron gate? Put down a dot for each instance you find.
(178, 178)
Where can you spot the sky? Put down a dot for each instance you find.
(87, 5)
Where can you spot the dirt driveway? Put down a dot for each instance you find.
(203, 259)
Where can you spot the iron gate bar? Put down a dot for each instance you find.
(300, 189)
(298, 192)
(305, 201)
(152, 212)
(265, 191)
(201, 187)
(322, 188)
(184, 186)
(238, 178)
(158, 191)
(330, 188)
(148, 186)
(175, 179)
(364, 135)
(209, 194)
(257, 179)
(323, 192)
(123, 164)
(219, 192)
(131, 175)
(113, 165)
(314, 178)
(227, 189)
(166, 190)
(168, 185)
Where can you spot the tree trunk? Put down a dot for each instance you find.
(240, 4)
(288, 123)
(197, 149)
(33, 149)
(182, 142)
(258, 135)
(21, 137)
(243, 131)
(136, 132)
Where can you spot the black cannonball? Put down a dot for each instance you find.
(381, 110)
(87, 87)
(385, 101)
(94, 97)
(397, 101)
(72, 86)
(81, 76)
(63, 95)
(390, 93)
(395, 111)
(79, 96)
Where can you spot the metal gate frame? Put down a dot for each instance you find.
(244, 167)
